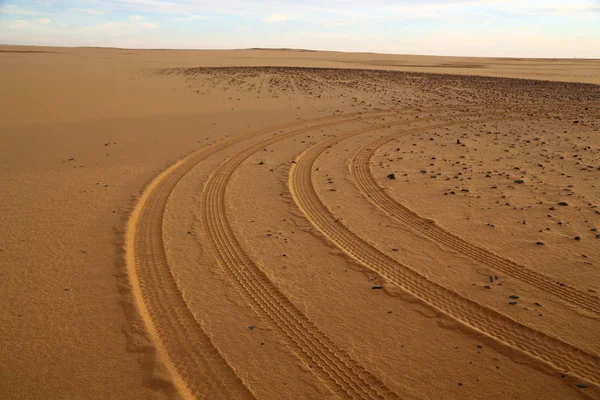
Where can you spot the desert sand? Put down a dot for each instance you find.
(285, 224)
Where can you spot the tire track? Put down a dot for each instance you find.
(197, 367)
(195, 364)
(265, 83)
(294, 86)
(368, 186)
(336, 368)
(548, 349)
(201, 370)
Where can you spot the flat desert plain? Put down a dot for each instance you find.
(279, 224)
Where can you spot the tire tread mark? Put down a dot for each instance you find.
(336, 368)
(548, 349)
(194, 363)
(367, 185)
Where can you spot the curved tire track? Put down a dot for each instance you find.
(196, 366)
(197, 370)
(368, 186)
(335, 368)
(550, 350)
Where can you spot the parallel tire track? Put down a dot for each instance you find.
(361, 173)
(336, 368)
(550, 350)
(294, 86)
(197, 368)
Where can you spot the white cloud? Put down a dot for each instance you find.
(18, 24)
(89, 11)
(44, 21)
(150, 3)
(11, 9)
(136, 17)
(190, 17)
(276, 18)
(117, 28)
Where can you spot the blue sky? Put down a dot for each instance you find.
(515, 28)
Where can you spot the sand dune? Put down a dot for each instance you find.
(293, 224)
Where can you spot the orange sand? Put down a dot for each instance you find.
(171, 230)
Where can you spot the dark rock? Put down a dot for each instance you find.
(538, 304)
(520, 181)
(391, 176)
(563, 203)
(252, 327)
(581, 386)
(539, 243)
(376, 287)
(577, 238)
(512, 303)
(515, 297)
(261, 163)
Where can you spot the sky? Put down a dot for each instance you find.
(497, 28)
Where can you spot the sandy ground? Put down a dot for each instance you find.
(241, 224)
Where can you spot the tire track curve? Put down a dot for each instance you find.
(343, 375)
(161, 305)
(368, 186)
(197, 368)
(550, 350)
